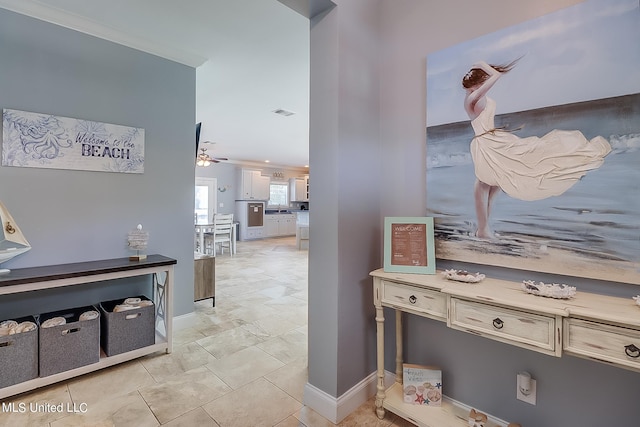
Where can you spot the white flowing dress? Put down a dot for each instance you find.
(532, 168)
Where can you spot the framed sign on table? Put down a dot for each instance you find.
(409, 245)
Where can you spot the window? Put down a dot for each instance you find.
(278, 194)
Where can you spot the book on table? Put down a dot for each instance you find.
(421, 385)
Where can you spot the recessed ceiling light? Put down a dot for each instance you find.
(267, 161)
(284, 112)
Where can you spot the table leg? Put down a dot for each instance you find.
(380, 395)
(399, 355)
(233, 239)
(168, 295)
(163, 300)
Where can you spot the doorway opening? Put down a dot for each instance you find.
(205, 200)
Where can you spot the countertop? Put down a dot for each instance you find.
(288, 212)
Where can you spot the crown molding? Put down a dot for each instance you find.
(85, 25)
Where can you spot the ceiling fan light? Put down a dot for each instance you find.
(203, 160)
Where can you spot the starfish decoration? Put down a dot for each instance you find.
(419, 399)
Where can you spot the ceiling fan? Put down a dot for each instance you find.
(204, 159)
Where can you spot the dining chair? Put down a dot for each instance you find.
(221, 234)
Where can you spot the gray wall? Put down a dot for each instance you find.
(345, 193)
(226, 176)
(477, 371)
(72, 216)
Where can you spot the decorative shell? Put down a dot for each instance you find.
(550, 291)
(637, 298)
(462, 276)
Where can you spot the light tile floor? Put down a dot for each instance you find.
(243, 364)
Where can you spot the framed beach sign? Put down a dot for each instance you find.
(533, 144)
(35, 140)
(408, 245)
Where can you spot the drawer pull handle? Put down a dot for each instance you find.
(497, 323)
(632, 351)
(413, 299)
(9, 228)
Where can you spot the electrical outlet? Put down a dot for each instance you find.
(221, 205)
(526, 388)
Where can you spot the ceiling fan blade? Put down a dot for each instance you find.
(221, 158)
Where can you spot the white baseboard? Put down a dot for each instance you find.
(495, 420)
(185, 321)
(336, 409)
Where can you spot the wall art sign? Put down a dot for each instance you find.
(408, 245)
(37, 140)
(533, 144)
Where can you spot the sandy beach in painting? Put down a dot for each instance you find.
(592, 230)
(535, 256)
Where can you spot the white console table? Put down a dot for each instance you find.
(77, 274)
(597, 327)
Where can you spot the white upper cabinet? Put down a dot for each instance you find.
(252, 185)
(299, 189)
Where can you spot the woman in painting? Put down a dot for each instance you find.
(530, 168)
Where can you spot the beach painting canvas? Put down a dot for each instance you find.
(533, 144)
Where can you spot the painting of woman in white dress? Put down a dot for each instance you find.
(535, 164)
(530, 168)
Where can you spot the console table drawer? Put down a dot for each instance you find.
(430, 302)
(528, 330)
(606, 343)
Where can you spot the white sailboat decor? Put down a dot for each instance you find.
(12, 241)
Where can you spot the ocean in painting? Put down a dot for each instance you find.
(593, 224)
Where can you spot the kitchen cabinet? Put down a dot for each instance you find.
(290, 228)
(252, 233)
(302, 230)
(277, 225)
(299, 189)
(272, 225)
(302, 236)
(261, 190)
(252, 185)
